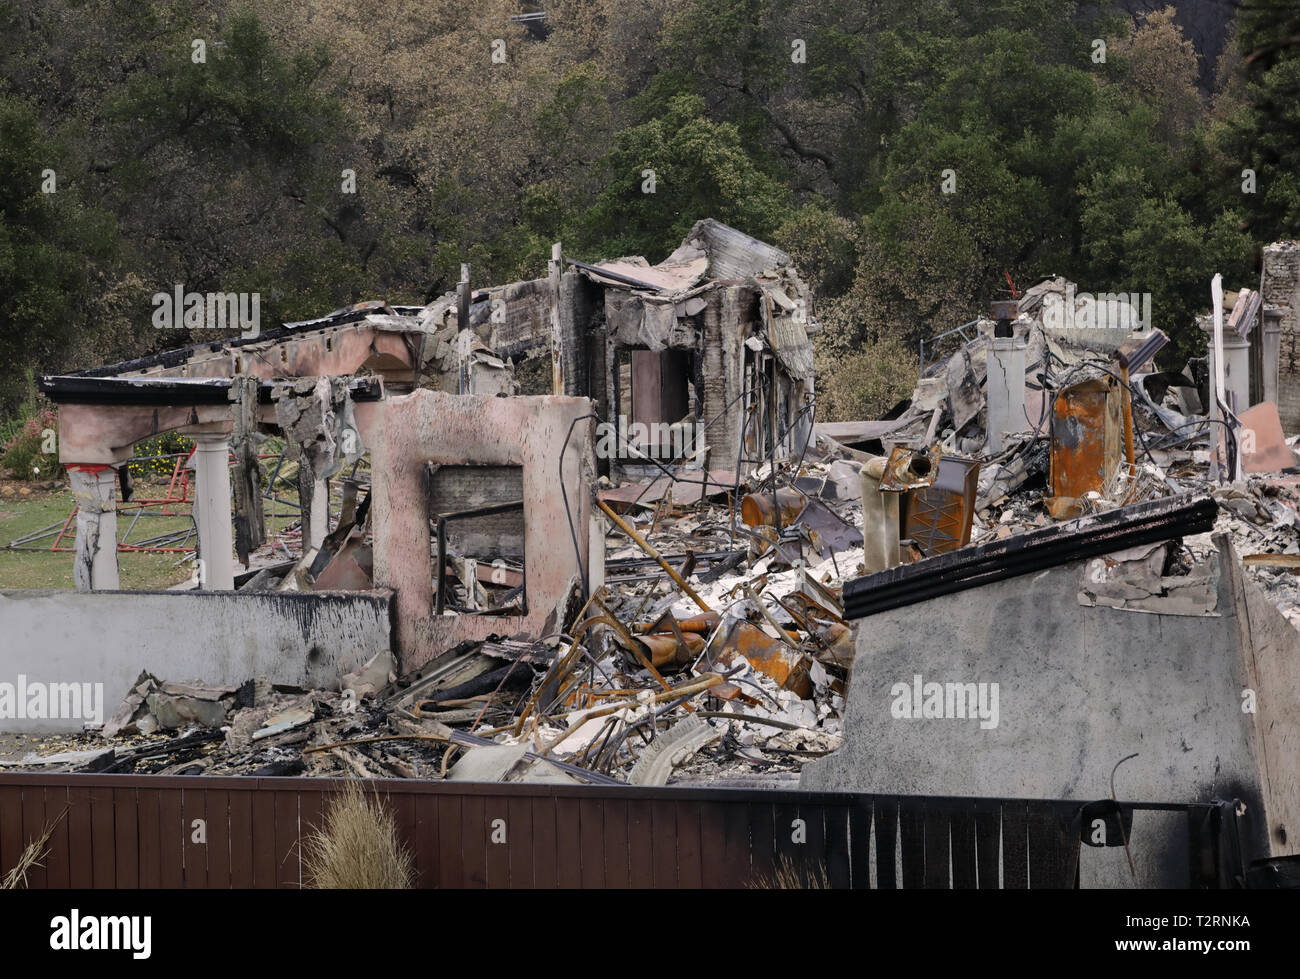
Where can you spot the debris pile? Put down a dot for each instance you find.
(713, 642)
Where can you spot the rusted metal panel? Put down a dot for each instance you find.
(1087, 436)
(772, 510)
(938, 516)
(909, 469)
(771, 656)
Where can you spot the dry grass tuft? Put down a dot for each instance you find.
(357, 846)
(31, 856)
(791, 876)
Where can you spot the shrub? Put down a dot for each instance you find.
(145, 461)
(865, 383)
(357, 846)
(22, 453)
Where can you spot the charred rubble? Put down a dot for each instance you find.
(648, 561)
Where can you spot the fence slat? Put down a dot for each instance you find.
(1015, 846)
(497, 826)
(11, 825)
(216, 806)
(33, 827)
(81, 862)
(641, 868)
(545, 845)
(288, 872)
(103, 833)
(519, 817)
(266, 870)
(450, 865)
(937, 852)
(241, 840)
(886, 822)
(56, 865)
(964, 872)
(126, 839)
(617, 863)
(911, 838)
(591, 842)
(473, 834)
(663, 843)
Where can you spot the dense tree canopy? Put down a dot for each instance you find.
(910, 155)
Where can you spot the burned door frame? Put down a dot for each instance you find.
(691, 371)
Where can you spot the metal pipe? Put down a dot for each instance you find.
(645, 546)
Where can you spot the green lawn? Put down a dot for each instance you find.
(20, 516)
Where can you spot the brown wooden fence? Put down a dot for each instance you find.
(128, 831)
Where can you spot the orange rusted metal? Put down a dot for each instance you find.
(937, 518)
(1087, 436)
(703, 624)
(759, 510)
(770, 656)
(666, 652)
(910, 469)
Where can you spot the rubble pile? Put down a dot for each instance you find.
(713, 643)
(717, 642)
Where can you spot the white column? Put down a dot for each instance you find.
(320, 514)
(212, 511)
(1006, 389)
(96, 556)
(1236, 369)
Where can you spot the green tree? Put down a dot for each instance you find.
(669, 172)
(1263, 136)
(54, 248)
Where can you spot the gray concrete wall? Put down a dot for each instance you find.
(1079, 688)
(219, 638)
